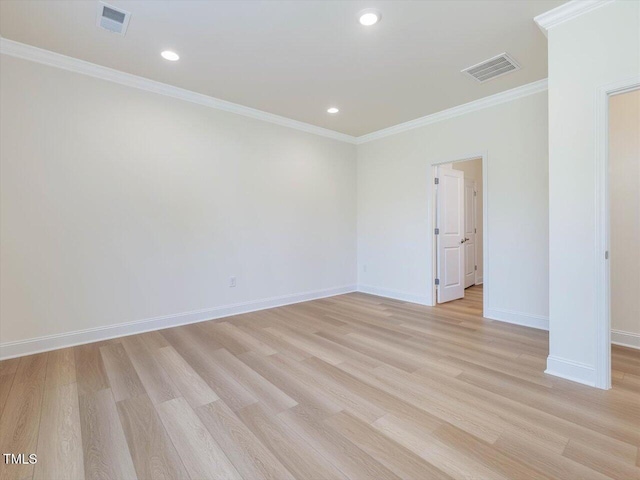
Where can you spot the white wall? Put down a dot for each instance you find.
(394, 241)
(590, 51)
(473, 169)
(624, 181)
(120, 205)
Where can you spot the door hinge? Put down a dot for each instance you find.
(606, 255)
(475, 230)
(476, 267)
(436, 181)
(437, 231)
(437, 281)
(475, 193)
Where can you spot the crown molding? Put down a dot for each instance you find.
(46, 57)
(497, 99)
(568, 11)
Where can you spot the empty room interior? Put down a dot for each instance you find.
(310, 240)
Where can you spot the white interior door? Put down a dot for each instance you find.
(469, 232)
(450, 234)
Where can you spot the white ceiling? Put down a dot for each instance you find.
(296, 58)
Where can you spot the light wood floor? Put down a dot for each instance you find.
(349, 387)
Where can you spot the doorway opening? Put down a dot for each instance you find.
(603, 251)
(459, 235)
(624, 237)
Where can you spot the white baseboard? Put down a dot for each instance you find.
(525, 319)
(570, 370)
(479, 280)
(52, 342)
(625, 339)
(406, 297)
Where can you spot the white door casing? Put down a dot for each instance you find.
(469, 232)
(450, 237)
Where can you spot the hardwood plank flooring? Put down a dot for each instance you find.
(352, 387)
(250, 457)
(105, 451)
(123, 378)
(60, 434)
(201, 454)
(20, 421)
(151, 449)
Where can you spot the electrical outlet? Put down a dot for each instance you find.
(232, 281)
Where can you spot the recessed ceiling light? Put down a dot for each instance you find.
(369, 16)
(333, 110)
(169, 55)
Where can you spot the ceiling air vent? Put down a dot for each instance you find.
(112, 19)
(492, 68)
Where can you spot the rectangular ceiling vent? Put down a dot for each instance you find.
(112, 19)
(492, 68)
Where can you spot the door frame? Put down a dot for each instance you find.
(431, 222)
(603, 230)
